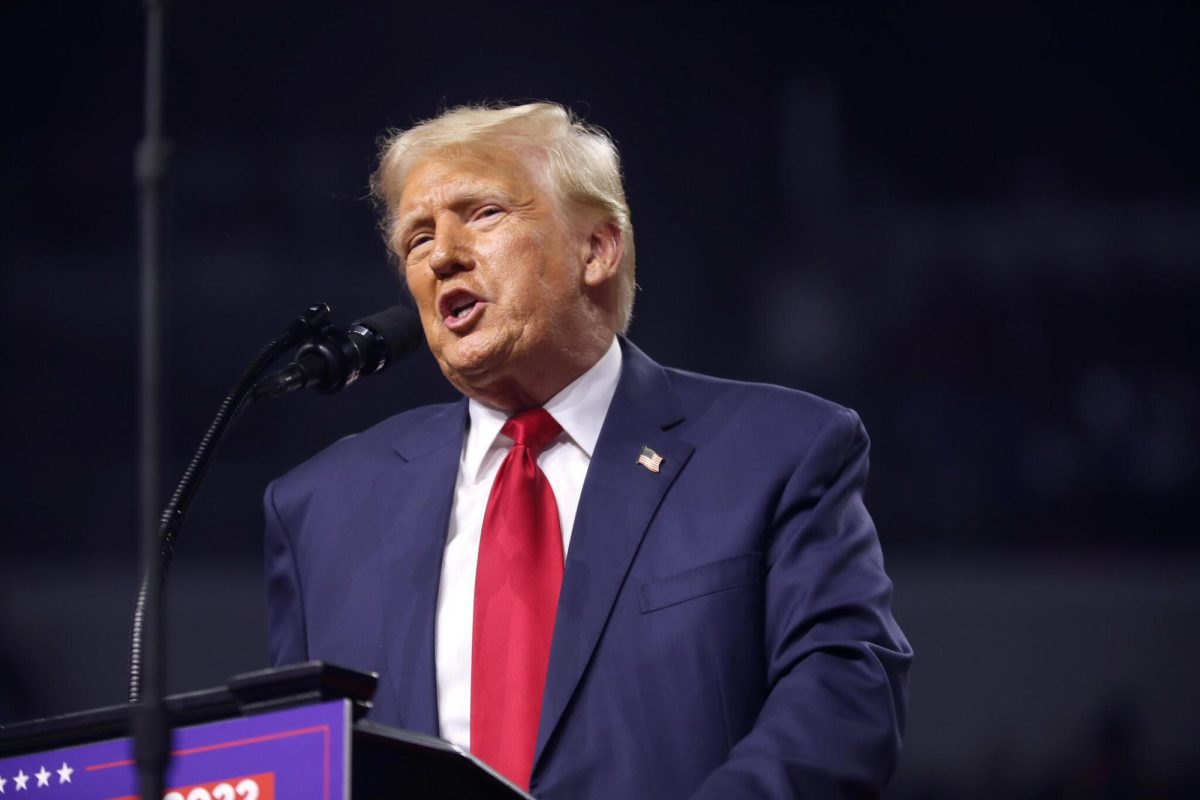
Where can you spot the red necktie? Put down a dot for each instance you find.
(517, 580)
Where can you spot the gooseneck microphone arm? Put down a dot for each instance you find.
(329, 361)
(151, 726)
(311, 323)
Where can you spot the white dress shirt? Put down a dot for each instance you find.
(580, 409)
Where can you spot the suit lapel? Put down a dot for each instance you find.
(420, 492)
(618, 501)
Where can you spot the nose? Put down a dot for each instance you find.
(451, 250)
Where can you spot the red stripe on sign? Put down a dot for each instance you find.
(322, 729)
(223, 745)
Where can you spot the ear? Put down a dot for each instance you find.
(602, 261)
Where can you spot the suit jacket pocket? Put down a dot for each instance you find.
(718, 576)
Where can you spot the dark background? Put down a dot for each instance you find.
(977, 224)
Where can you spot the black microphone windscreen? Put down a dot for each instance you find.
(399, 327)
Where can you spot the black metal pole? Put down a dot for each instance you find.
(150, 172)
(150, 724)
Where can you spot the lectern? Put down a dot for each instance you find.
(292, 733)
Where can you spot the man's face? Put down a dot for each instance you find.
(496, 269)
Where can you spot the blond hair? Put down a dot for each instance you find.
(581, 160)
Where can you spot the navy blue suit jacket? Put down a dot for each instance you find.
(724, 626)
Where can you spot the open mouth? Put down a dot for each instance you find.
(458, 308)
(461, 310)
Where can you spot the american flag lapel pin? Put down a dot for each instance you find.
(650, 459)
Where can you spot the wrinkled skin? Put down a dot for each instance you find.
(516, 293)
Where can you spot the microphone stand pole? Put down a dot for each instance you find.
(150, 725)
(150, 722)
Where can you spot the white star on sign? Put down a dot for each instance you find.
(64, 774)
(2, 782)
(21, 779)
(43, 777)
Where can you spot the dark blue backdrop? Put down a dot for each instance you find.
(979, 226)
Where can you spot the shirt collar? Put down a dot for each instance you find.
(579, 408)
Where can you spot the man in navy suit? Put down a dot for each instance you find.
(722, 627)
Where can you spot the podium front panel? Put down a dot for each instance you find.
(295, 753)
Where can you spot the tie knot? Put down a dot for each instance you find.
(534, 428)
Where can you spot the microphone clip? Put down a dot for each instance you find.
(334, 358)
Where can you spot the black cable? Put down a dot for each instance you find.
(150, 724)
(314, 320)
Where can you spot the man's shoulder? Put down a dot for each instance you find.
(362, 452)
(699, 392)
(767, 405)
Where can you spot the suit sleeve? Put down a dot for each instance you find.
(837, 662)
(286, 640)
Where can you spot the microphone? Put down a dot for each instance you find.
(337, 358)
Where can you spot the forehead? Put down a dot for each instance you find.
(444, 176)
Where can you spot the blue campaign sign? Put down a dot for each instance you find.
(295, 753)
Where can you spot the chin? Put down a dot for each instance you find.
(470, 362)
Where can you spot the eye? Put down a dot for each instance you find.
(417, 241)
(486, 212)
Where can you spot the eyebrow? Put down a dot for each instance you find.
(414, 219)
